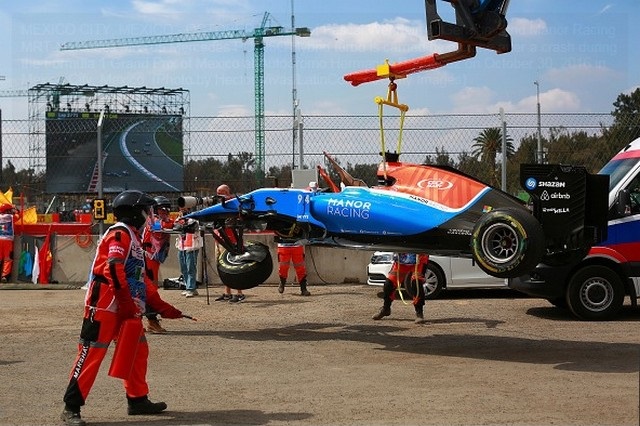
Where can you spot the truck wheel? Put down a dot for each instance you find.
(248, 270)
(595, 293)
(507, 243)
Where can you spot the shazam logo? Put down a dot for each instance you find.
(531, 184)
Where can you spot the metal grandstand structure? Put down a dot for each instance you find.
(65, 97)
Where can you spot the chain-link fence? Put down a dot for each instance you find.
(198, 153)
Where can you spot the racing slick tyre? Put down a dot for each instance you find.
(507, 242)
(248, 270)
(595, 293)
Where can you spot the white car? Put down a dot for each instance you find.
(442, 273)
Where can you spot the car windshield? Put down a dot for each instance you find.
(617, 169)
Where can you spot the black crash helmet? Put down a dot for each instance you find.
(162, 201)
(133, 207)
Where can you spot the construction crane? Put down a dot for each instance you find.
(258, 34)
(16, 93)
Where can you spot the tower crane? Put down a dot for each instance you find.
(15, 93)
(258, 34)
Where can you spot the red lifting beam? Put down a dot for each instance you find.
(402, 69)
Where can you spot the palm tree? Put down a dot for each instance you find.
(486, 147)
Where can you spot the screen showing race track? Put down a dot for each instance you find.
(139, 151)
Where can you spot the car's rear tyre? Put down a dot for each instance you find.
(507, 242)
(248, 270)
(595, 293)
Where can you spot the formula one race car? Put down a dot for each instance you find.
(418, 208)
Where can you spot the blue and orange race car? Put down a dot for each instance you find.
(418, 208)
(423, 208)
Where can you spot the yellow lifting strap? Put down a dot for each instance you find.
(392, 101)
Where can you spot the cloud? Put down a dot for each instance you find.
(526, 27)
(479, 100)
(154, 8)
(580, 73)
(472, 100)
(554, 100)
(396, 35)
(234, 110)
(604, 9)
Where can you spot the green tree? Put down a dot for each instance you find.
(442, 158)
(486, 147)
(626, 124)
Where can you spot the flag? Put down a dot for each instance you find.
(29, 216)
(4, 200)
(35, 273)
(9, 195)
(45, 260)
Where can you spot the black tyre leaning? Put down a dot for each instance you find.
(595, 293)
(245, 273)
(507, 242)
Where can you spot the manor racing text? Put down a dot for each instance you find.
(348, 208)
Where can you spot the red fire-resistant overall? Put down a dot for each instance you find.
(156, 246)
(294, 253)
(404, 264)
(117, 292)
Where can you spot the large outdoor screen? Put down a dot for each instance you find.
(139, 151)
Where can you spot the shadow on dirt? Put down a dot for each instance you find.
(218, 418)
(568, 355)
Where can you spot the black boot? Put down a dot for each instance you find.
(385, 311)
(142, 405)
(419, 315)
(71, 417)
(303, 288)
(283, 281)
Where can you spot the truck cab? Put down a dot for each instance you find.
(594, 287)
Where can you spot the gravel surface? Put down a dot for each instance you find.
(482, 358)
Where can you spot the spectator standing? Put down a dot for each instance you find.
(118, 292)
(404, 269)
(156, 245)
(7, 217)
(189, 245)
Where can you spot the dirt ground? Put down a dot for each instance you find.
(482, 358)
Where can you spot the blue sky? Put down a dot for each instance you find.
(582, 53)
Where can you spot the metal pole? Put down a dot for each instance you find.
(294, 92)
(504, 150)
(540, 153)
(300, 127)
(100, 223)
